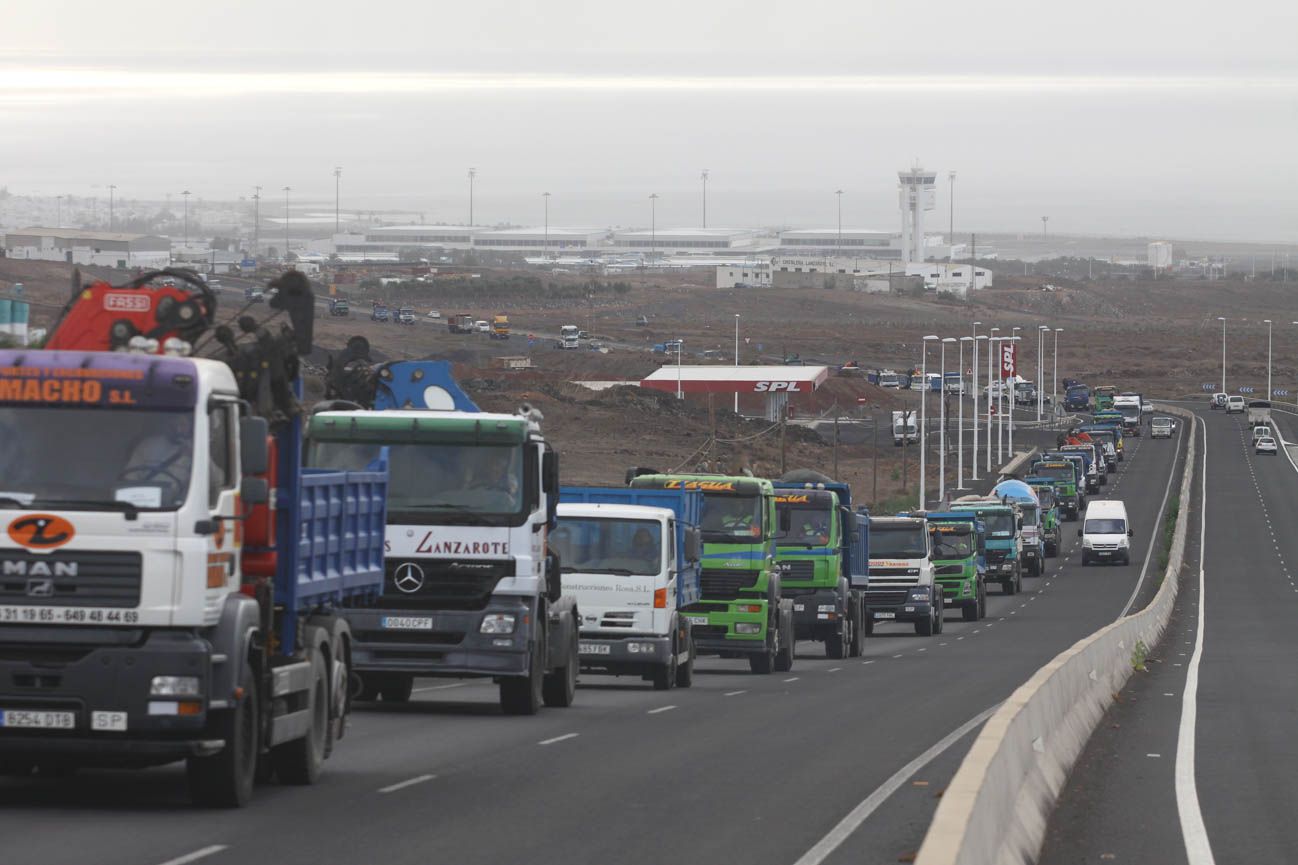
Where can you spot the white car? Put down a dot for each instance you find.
(1234, 404)
(1262, 431)
(481, 327)
(433, 313)
(1266, 445)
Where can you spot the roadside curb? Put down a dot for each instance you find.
(997, 805)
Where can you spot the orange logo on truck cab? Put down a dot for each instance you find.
(41, 531)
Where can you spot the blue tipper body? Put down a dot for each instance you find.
(338, 520)
(411, 383)
(686, 504)
(854, 526)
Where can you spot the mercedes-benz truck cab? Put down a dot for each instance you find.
(1106, 533)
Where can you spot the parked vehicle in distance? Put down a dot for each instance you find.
(1266, 445)
(1106, 533)
(568, 337)
(378, 312)
(1234, 404)
(434, 314)
(583, 334)
(338, 306)
(253, 294)
(905, 427)
(889, 379)
(1161, 428)
(406, 315)
(459, 323)
(481, 326)
(1216, 401)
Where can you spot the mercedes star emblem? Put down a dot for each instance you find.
(409, 578)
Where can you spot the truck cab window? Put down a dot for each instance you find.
(220, 453)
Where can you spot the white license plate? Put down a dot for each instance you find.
(698, 620)
(798, 608)
(1102, 552)
(885, 615)
(37, 720)
(111, 721)
(407, 623)
(593, 648)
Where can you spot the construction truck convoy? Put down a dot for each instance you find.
(821, 550)
(630, 558)
(741, 612)
(903, 587)
(568, 337)
(471, 588)
(1050, 531)
(1130, 405)
(178, 596)
(1034, 543)
(1062, 476)
(960, 561)
(1004, 539)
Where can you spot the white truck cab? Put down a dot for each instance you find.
(901, 586)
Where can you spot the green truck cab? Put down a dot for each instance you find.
(1062, 474)
(818, 541)
(1004, 544)
(1111, 419)
(741, 613)
(1104, 396)
(960, 560)
(1045, 488)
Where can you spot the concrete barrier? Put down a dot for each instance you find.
(996, 808)
(1019, 464)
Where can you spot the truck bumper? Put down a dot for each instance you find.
(1001, 572)
(441, 642)
(716, 627)
(106, 691)
(958, 592)
(907, 612)
(633, 654)
(816, 616)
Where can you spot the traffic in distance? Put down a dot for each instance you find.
(236, 573)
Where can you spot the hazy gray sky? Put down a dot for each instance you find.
(1135, 117)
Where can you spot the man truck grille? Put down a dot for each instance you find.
(798, 569)
(66, 579)
(725, 585)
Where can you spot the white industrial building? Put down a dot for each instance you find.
(103, 248)
(753, 274)
(1159, 254)
(859, 242)
(955, 278)
(670, 241)
(528, 239)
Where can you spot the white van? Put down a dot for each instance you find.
(1234, 404)
(1106, 533)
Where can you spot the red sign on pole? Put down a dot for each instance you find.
(1009, 355)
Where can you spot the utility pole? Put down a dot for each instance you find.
(545, 243)
(59, 212)
(473, 172)
(186, 195)
(286, 222)
(653, 226)
(256, 219)
(112, 187)
(838, 248)
(704, 178)
(338, 179)
(835, 441)
(1044, 234)
(950, 257)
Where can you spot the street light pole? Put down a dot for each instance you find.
(1223, 352)
(838, 247)
(973, 474)
(473, 172)
(950, 237)
(1014, 341)
(1054, 385)
(286, 222)
(112, 187)
(545, 242)
(338, 179)
(941, 433)
(923, 420)
(653, 226)
(680, 346)
(1268, 358)
(1041, 391)
(704, 178)
(959, 471)
(736, 359)
(992, 339)
(186, 195)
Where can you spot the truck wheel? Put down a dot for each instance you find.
(971, 612)
(926, 627)
(785, 649)
(664, 677)
(396, 688)
(939, 621)
(765, 662)
(560, 687)
(299, 762)
(225, 780)
(858, 641)
(836, 643)
(685, 671)
(1018, 579)
(521, 695)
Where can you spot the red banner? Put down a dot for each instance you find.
(1009, 358)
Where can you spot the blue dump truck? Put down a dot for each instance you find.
(822, 550)
(1077, 398)
(630, 559)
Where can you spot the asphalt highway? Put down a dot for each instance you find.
(833, 762)
(1198, 762)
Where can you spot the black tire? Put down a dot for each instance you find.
(299, 762)
(1007, 587)
(226, 779)
(521, 695)
(925, 628)
(664, 677)
(939, 621)
(1085, 560)
(982, 601)
(836, 644)
(971, 612)
(858, 638)
(559, 688)
(785, 652)
(365, 688)
(396, 688)
(761, 664)
(685, 671)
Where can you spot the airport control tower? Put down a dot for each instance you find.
(917, 192)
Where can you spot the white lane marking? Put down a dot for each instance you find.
(896, 656)
(863, 663)
(197, 854)
(558, 738)
(733, 693)
(836, 669)
(1155, 534)
(1198, 850)
(858, 815)
(660, 709)
(792, 678)
(1153, 755)
(439, 687)
(409, 782)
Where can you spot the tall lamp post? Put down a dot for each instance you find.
(1268, 357)
(1014, 340)
(287, 190)
(923, 419)
(736, 358)
(545, 242)
(112, 187)
(838, 247)
(1223, 352)
(991, 354)
(1054, 385)
(186, 195)
(473, 172)
(653, 226)
(950, 237)
(338, 180)
(973, 474)
(959, 472)
(1041, 391)
(941, 434)
(680, 346)
(704, 178)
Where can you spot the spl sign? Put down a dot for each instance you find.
(1009, 359)
(776, 387)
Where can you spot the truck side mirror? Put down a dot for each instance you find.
(550, 473)
(691, 543)
(254, 491)
(1131, 533)
(553, 578)
(254, 456)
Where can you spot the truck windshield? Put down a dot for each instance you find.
(1105, 527)
(142, 459)
(1046, 495)
(897, 542)
(440, 484)
(808, 524)
(953, 543)
(1031, 516)
(1063, 473)
(600, 545)
(728, 517)
(1130, 412)
(999, 525)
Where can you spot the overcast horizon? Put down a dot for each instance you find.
(1169, 120)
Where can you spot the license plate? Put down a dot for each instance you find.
(1102, 552)
(593, 648)
(37, 720)
(885, 615)
(798, 608)
(111, 721)
(407, 623)
(698, 620)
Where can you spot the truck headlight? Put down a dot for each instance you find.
(174, 686)
(748, 628)
(497, 623)
(919, 596)
(640, 648)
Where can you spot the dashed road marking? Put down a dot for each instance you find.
(659, 710)
(409, 782)
(562, 738)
